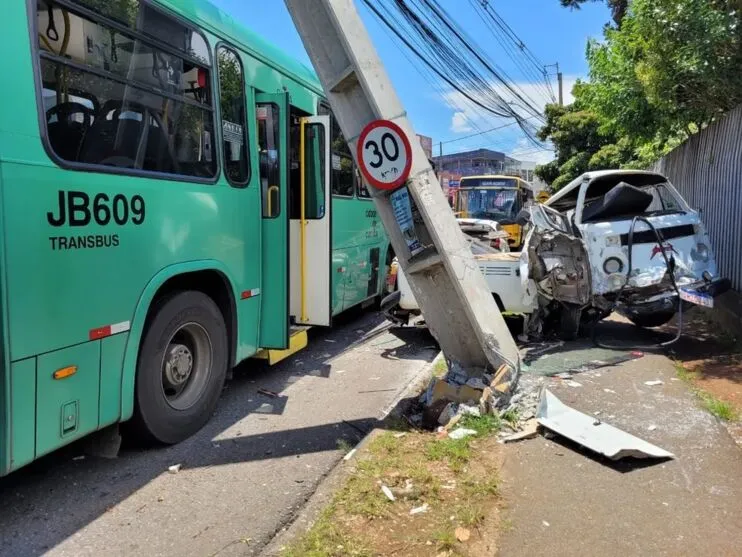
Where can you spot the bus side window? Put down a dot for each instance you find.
(270, 166)
(114, 99)
(232, 101)
(362, 189)
(314, 168)
(343, 174)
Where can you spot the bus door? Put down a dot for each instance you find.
(273, 130)
(311, 282)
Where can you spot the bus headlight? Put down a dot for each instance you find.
(612, 265)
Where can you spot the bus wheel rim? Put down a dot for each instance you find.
(186, 366)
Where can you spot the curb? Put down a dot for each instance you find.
(305, 518)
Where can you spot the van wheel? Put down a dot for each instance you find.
(656, 319)
(181, 368)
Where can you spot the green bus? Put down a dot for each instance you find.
(176, 197)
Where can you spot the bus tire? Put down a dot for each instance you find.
(181, 368)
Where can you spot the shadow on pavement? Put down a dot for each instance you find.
(53, 498)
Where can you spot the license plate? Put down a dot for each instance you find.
(695, 297)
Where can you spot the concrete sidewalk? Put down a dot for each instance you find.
(562, 500)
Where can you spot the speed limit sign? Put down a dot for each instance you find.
(384, 155)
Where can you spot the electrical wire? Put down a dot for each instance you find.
(424, 29)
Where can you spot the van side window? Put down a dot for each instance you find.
(119, 98)
(232, 104)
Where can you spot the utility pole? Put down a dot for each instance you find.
(560, 80)
(454, 298)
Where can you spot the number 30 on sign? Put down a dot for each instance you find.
(384, 155)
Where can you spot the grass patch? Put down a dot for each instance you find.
(327, 539)
(483, 425)
(512, 417)
(457, 452)
(440, 368)
(719, 408)
(722, 409)
(455, 480)
(445, 539)
(684, 374)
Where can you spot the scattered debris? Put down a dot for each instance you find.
(418, 510)
(465, 410)
(573, 384)
(388, 493)
(609, 391)
(81, 457)
(601, 438)
(545, 523)
(652, 428)
(461, 433)
(462, 534)
(530, 430)
(264, 408)
(266, 392)
(449, 411)
(174, 469)
(654, 383)
(400, 434)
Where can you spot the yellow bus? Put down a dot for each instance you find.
(496, 197)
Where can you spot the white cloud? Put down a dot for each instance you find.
(467, 117)
(525, 151)
(459, 123)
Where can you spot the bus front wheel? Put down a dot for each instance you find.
(181, 369)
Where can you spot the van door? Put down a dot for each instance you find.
(273, 129)
(310, 226)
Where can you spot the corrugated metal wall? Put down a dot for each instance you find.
(707, 170)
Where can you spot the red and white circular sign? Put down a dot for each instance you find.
(384, 155)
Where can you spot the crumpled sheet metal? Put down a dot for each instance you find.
(591, 433)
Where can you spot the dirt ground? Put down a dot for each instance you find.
(712, 356)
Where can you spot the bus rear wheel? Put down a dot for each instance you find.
(181, 369)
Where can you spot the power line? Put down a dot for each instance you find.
(538, 68)
(439, 48)
(480, 133)
(431, 81)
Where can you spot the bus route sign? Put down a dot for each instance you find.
(384, 155)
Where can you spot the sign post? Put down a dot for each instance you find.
(454, 298)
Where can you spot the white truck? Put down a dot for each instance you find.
(611, 240)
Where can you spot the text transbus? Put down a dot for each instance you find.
(175, 197)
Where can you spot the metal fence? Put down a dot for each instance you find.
(707, 170)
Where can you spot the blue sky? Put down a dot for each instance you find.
(553, 33)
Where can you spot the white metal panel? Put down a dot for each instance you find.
(317, 250)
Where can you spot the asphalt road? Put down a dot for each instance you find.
(242, 478)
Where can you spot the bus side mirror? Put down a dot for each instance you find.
(523, 218)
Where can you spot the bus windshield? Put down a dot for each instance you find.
(501, 205)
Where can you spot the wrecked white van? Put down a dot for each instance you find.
(617, 240)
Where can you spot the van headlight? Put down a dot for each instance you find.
(612, 265)
(700, 253)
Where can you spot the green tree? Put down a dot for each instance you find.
(669, 69)
(618, 7)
